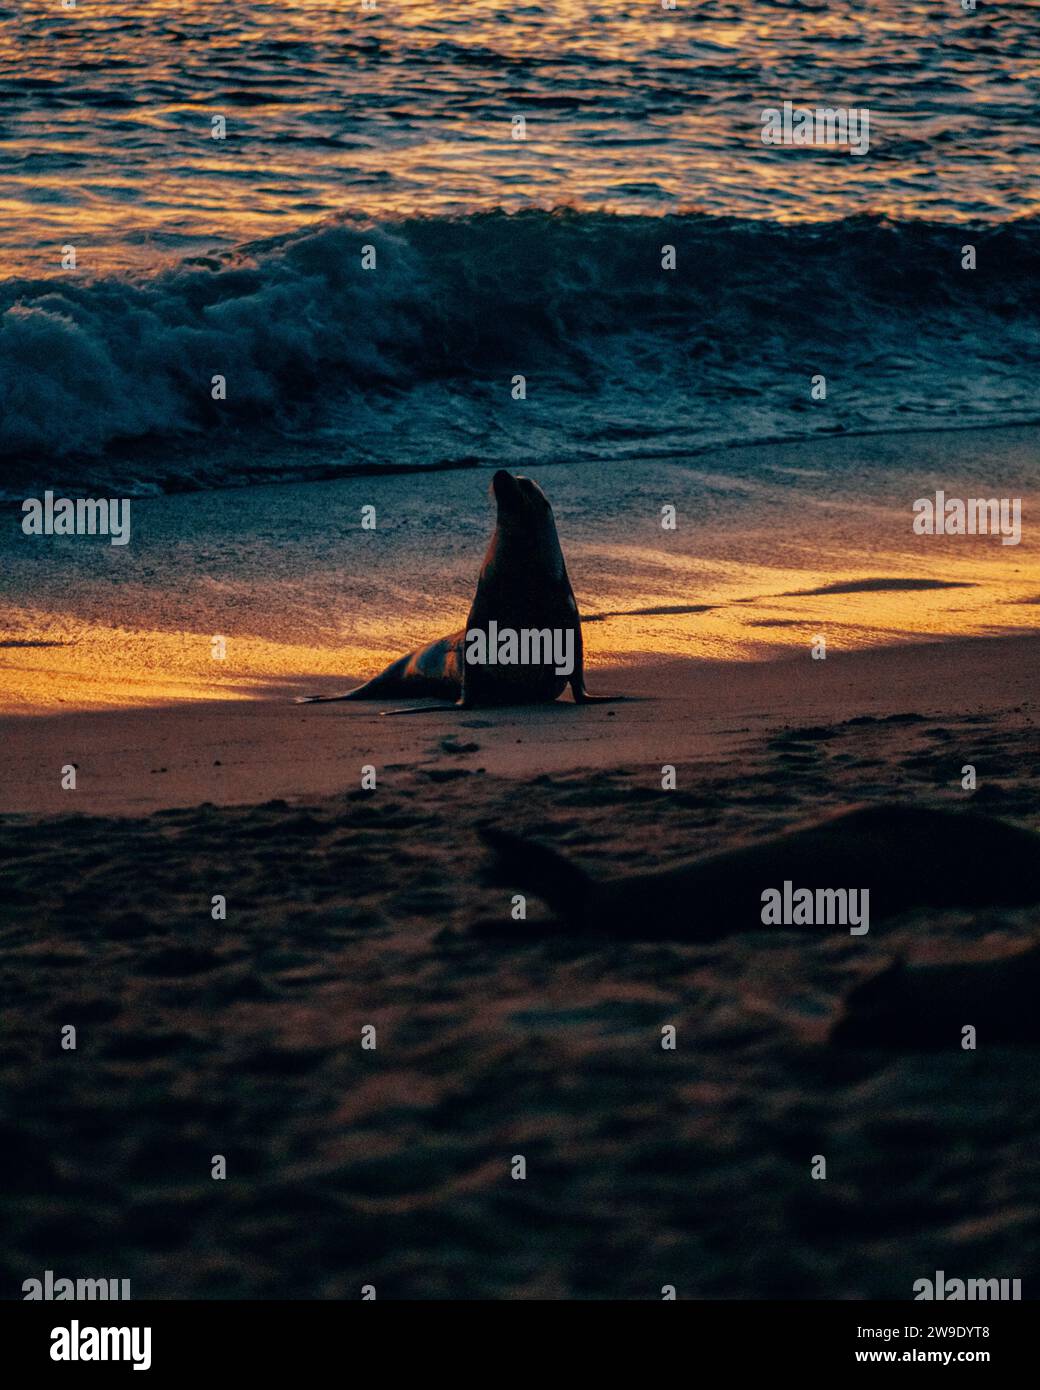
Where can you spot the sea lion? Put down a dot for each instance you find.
(906, 856)
(523, 586)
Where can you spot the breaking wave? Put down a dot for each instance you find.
(414, 361)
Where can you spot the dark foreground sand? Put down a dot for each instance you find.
(392, 1167)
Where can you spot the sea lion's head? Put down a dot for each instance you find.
(522, 505)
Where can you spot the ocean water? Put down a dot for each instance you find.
(499, 258)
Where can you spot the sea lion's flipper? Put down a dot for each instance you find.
(421, 709)
(582, 697)
(386, 686)
(429, 673)
(328, 699)
(566, 888)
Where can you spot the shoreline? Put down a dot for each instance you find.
(768, 550)
(154, 451)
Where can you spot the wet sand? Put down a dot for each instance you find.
(773, 545)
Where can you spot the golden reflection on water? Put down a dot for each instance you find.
(407, 109)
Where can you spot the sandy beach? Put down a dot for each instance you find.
(135, 761)
(348, 908)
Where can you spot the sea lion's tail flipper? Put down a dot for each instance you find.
(385, 686)
(360, 692)
(420, 709)
(429, 673)
(566, 888)
(388, 685)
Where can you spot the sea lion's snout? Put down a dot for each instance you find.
(519, 497)
(505, 489)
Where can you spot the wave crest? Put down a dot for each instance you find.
(577, 302)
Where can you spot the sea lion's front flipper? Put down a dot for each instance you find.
(586, 699)
(582, 696)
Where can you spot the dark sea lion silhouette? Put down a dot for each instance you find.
(926, 1006)
(906, 856)
(523, 584)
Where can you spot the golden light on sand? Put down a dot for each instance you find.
(689, 609)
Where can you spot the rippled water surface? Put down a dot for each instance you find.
(242, 258)
(106, 137)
